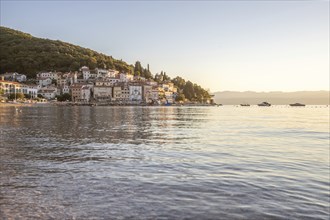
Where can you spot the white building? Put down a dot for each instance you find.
(51, 75)
(125, 77)
(106, 82)
(85, 94)
(169, 97)
(72, 78)
(30, 90)
(102, 93)
(151, 82)
(61, 81)
(154, 95)
(102, 72)
(65, 89)
(146, 93)
(86, 72)
(113, 73)
(21, 77)
(135, 92)
(44, 81)
(48, 93)
(14, 77)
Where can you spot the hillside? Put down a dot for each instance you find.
(276, 98)
(23, 53)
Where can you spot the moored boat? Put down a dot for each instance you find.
(264, 104)
(245, 104)
(297, 104)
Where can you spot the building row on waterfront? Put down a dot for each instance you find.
(123, 92)
(10, 87)
(99, 85)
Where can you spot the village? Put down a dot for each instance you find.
(90, 87)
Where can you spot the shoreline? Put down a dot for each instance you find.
(6, 104)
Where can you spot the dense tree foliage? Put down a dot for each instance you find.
(18, 95)
(140, 71)
(64, 97)
(190, 90)
(23, 53)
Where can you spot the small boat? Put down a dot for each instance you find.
(297, 104)
(245, 104)
(264, 104)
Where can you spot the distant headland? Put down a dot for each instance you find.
(276, 97)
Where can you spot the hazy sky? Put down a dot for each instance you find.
(221, 45)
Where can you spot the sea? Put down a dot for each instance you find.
(165, 162)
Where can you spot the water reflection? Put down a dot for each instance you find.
(164, 162)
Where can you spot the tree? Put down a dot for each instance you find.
(64, 97)
(137, 68)
(54, 82)
(18, 95)
(180, 97)
(189, 91)
(27, 96)
(179, 82)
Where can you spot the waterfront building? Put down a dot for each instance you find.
(168, 97)
(85, 94)
(146, 93)
(135, 92)
(116, 93)
(48, 92)
(31, 90)
(10, 87)
(154, 95)
(75, 92)
(121, 92)
(102, 92)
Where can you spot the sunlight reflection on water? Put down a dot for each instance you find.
(164, 162)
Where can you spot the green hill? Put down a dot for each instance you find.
(26, 54)
(21, 52)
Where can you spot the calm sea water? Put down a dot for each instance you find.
(164, 162)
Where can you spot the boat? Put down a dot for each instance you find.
(264, 104)
(297, 104)
(245, 104)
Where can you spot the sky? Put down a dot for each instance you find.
(220, 45)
